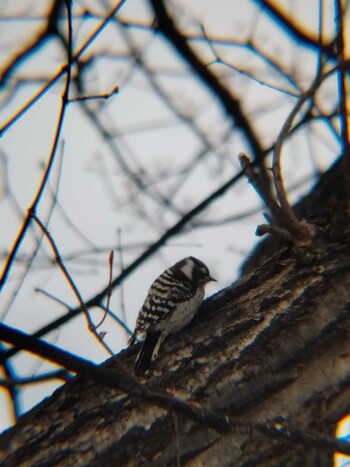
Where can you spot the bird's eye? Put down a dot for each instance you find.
(204, 272)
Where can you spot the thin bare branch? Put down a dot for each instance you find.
(302, 233)
(57, 256)
(106, 96)
(77, 55)
(229, 102)
(109, 291)
(38, 239)
(121, 262)
(293, 30)
(50, 162)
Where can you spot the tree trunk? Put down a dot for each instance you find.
(273, 346)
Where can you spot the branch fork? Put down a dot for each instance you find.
(282, 221)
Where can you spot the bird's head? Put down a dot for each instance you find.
(195, 270)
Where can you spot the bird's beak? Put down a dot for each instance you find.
(211, 279)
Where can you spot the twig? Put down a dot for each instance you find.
(105, 96)
(70, 224)
(70, 281)
(33, 207)
(78, 54)
(320, 38)
(105, 310)
(230, 103)
(121, 262)
(285, 224)
(277, 174)
(250, 212)
(49, 295)
(118, 320)
(109, 290)
(219, 60)
(291, 28)
(273, 229)
(38, 240)
(342, 76)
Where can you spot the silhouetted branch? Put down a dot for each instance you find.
(12, 390)
(91, 327)
(105, 96)
(64, 69)
(295, 31)
(109, 290)
(44, 180)
(285, 224)
(37, 42)
(110, 313)
(230, 103)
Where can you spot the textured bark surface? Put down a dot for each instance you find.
(273, 346)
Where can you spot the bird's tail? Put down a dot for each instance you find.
(148, 351)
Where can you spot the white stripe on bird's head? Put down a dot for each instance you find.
(187, 267)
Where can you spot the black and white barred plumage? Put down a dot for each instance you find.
(171, 303)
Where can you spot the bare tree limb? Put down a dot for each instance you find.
(294, 30)
(37, 42)
(230, 103)
(64, 69)
(286, 224)
(44, 180)
(91, 327)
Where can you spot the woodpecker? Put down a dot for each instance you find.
(172, 301)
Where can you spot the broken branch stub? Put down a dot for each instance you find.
(282, 223)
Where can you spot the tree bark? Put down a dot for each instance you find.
(273, 346)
